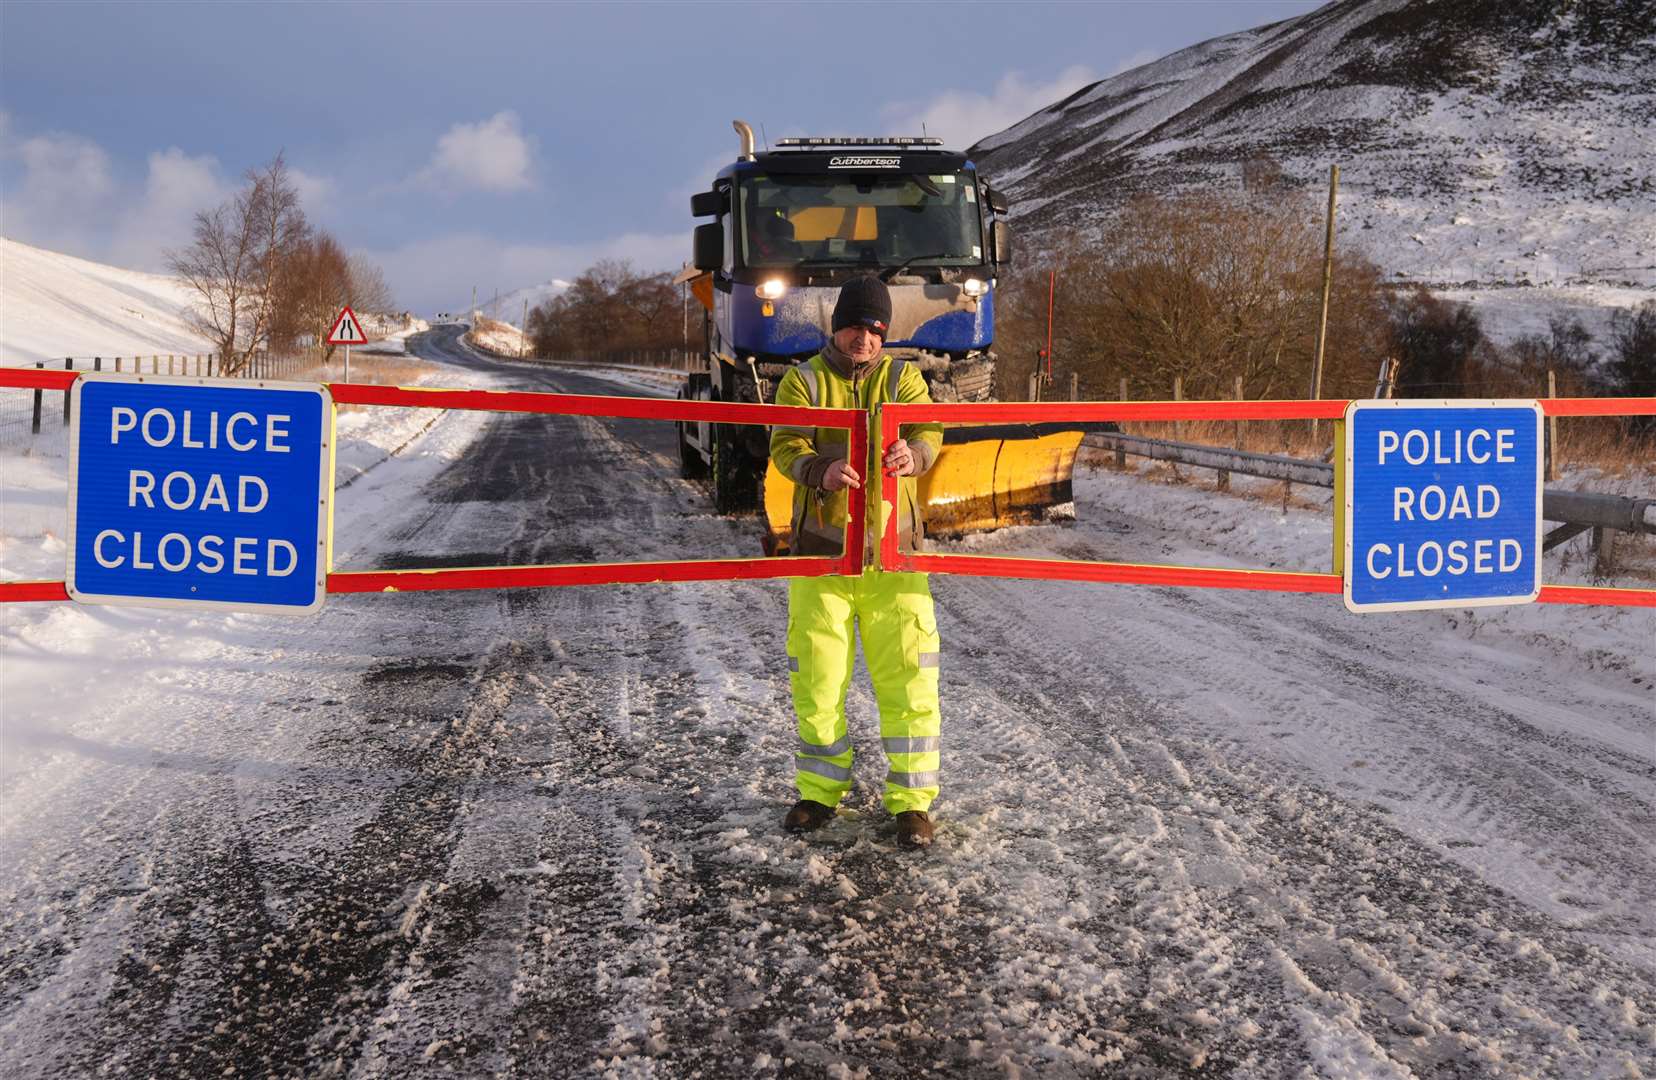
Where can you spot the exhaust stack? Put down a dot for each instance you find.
(746, 133)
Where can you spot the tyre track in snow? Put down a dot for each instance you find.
(1509, 782)
(203, 956)
(1381, 945)
(735, 948)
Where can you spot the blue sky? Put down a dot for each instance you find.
(503, 145)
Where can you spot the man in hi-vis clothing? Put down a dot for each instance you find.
(892, 611)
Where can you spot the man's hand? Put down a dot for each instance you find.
(840, 475)
(899, 459)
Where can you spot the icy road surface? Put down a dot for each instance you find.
(534, 832)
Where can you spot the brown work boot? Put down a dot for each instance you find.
(807, 816)
(914, 829)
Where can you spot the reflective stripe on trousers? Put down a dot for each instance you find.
(894, 615)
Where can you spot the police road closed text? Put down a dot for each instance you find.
(1442, 504)
(200, 493)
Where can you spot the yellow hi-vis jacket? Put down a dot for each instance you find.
(804, 454)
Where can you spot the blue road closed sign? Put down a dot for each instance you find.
(1442, 504)
(200, 493)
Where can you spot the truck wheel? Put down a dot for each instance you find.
(735, 473)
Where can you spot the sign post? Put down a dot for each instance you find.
(347, 331)
(1442, 504)
(206, 493)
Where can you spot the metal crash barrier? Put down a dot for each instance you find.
(886, 554)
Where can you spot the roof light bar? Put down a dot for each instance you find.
(862, 140)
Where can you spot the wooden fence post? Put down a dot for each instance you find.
(1223, 483)
(1238, 395)
(68, 365)
(34, 427)
(1178, 425)
(1552, 429)
(1121, 451)
(1075, 386)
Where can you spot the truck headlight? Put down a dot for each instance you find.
(974, 287)
(772, 289)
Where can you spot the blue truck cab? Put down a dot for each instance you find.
(788, 228)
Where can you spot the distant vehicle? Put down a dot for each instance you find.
(794, 224)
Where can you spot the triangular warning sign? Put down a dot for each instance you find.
(347, 330)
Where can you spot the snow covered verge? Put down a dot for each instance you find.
(53, 306)
(497, 338)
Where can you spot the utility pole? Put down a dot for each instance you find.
(523, 331)
(473, 310)
(1328, 282)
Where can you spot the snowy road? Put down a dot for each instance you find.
(534, 833)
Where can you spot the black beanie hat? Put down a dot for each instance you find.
(864, 301)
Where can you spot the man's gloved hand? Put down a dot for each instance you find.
(899, 459)
(840, 475)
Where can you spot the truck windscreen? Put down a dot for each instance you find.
(872, 221)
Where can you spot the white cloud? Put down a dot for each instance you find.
(437, 274)
(178, 186)
(315, 192)
(493, 155)
(962, 117)
(65, 198)
(69, 198)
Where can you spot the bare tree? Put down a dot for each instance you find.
(1200, 289)
(218, 267)
(367, 289)
(313, 285)
(611, 306)
(236, 262)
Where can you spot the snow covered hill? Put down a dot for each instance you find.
(54, 306)
(1490, 146)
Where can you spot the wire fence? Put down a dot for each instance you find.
(29, 414)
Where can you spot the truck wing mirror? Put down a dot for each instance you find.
(996, 200)
(709, 203)
(1000, 242)
(709, 247)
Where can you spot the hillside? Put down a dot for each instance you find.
(1499, 149)
(54, 306)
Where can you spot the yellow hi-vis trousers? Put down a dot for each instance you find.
(898, 625)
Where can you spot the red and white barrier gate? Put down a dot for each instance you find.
(891, 416)
(887, 555)
(501, 577)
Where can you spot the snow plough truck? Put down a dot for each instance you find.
(790, 226)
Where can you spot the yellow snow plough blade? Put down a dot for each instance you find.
(975, 486)
(983, 484)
